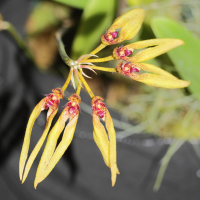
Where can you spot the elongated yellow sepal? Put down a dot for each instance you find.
(51, 113)
(101, 139)
(154, 69)
(106, 146)
(59, 151)
(160, 81)
(130, 23)
(24, 152)
(161, 78)
(50, 145)
(113, 153)
(162, 46)
(156, 48)
(51, 156)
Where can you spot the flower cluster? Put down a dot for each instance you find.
(123, 28)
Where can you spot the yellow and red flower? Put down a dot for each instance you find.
(123, 28)
(105, 145)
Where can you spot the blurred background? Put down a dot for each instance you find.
(157, 129)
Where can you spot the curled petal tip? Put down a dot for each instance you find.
(86, 76)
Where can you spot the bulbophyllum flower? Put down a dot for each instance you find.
(50, 102)
(105, 145)
(160, 78)
(129, 23)
(123, 28)
(52, 154)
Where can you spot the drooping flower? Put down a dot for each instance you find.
(52, 154)
(50, 102)
(105, 145)
(133, 64)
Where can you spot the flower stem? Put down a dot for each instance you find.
(67, 81)
(104, 69)
(61, 49)
(86, 85)
(176, 144)
(78, 89)
(99, 59)
(99, 48)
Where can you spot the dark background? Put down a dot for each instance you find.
(81, 173)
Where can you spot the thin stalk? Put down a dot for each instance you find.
(78, 89)
(104, 69)
(86, 85)
(109, 58)
(99, 48)
(176, 144)
(61, 49)
(67, 81)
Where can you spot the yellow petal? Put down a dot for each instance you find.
(131, 15)
(161, 47)
(160, 81)
(35, 113)
(60, 150)
(51, 144)
(154, 69)
(132, 27)
(130, 23)
(101, 139)
(51, 113)
(112, 139)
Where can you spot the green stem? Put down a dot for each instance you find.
(62, 51)
(176, 144)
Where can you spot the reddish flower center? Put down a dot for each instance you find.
(52, 99)
(73, 107)
(122, 52)
(129, 68)
(110, 36)
(99, 107)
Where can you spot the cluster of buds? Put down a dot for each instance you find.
(123, 28)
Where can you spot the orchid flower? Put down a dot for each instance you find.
(123, 28)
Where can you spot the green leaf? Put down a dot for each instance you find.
(80, 4)
(45, 15)
(186, 57)
(96, 19)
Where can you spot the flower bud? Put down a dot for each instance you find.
(129, 24)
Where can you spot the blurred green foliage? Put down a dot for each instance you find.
(186, 57)
(96, 18)
(80, 4)
(45, 15)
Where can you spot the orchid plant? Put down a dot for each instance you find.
(123, 28)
